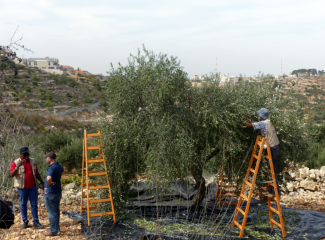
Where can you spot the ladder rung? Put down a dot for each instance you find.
(93, 148)
(225, 195)
(90, 207)
(98, 187)
(248, 183)
(238, 225)
(274, 210)
(227, 203)
(90, 184)
(97, 174)
(241, 211)
(95, 160)
(252, 170)
(228, 191)
(220, 185)
(93, 135)
(276, 223)
(85, 196)
(101, 214)
(255, 156)
(243, 196)
(100, 200)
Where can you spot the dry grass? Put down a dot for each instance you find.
(70, 229)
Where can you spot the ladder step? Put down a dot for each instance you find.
(241, 211)
(101, 214)
(90, 207)
(95, 160)
(255, 156)
(93, 135)
(238, 225)
(229, 203)
(100, 200)
(228, 191)
(90, 196)
(248, 183)
(276, 223)
(252, 170)
(98, 187)
(97, 174)
(243, 196)
(225, 195)
(227, 185)
(90, 184)
(274, 210)
(93, 148)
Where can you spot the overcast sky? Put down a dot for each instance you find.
(245, 36)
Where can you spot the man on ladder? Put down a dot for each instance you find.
(269, 132)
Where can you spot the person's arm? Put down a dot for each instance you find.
(38, 176)
(15, 171)
(49, 181)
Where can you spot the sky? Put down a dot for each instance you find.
(233, 36)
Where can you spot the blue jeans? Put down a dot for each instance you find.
(52, 204)
(32, 194)
(274, 153)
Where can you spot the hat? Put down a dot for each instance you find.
(50, 155)
(263, 113)
(24, 150)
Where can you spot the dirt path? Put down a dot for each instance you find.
(70, 229)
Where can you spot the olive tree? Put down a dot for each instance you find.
(164, 128)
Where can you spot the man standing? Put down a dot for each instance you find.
(269, 132)
(24, 170)
(53, 193)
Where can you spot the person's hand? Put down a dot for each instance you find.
(21, 162)
(249, 120)
(52, 184)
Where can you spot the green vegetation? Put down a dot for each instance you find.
(166, 129)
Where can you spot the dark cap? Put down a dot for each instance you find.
(50, 155)
(24, 150)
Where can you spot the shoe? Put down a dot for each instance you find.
(48, 234)
(25, 224)
(37, 225)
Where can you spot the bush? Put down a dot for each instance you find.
(73, 83)
(87, 99)
(71, 179)
(48, 103)
(28, 88)
(30, 105)
(69, 95)
(53, 141)
(71, 154)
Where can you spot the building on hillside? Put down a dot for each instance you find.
(303, 74)
(65, 68)
(46, 64)
(99, 76)
(83, 73)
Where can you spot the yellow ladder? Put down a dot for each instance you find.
(260, 142)
(86, 174)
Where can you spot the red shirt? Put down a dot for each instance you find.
(29, 178)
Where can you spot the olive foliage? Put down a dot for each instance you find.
(164, 128)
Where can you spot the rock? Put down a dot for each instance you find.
(308, 184)
(11, 194)
(299, 179)
(313, 176)
(69, 202)
(290, 187)
(304, 172)
(293, 174)
(70, 187)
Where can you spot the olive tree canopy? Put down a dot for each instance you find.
(164, 128)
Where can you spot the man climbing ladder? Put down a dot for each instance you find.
(269, 132)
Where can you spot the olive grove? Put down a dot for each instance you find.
(164, 128)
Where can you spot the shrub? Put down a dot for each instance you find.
(30, 105)
(69, 95)
(48, 103)
(71, 179)
(21, 95)
(53, 141)
(87, 99)
(30, 71)
(16, 99)
(28, 88)
(71, 154)
(73, 83)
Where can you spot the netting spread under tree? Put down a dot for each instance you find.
(164, 128)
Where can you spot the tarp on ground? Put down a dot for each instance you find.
(173, 217)
(7, 215)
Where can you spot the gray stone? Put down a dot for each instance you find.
(290, 187)
(299, 179)
(308, 184)
(70, 187)
(312, 176)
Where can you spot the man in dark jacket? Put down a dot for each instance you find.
(53, 193)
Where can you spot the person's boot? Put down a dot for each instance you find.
(37, 225)
(25, 224)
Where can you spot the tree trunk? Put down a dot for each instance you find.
(200, 183)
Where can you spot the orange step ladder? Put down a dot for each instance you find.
(260, 142)
(227, 186)
(87, 174)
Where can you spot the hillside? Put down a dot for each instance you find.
(38, 91)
